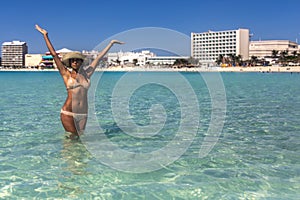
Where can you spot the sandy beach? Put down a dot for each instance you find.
(268, 69)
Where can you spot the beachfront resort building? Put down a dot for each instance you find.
(165, 60)
(43, 61)
(142, 58)
(33, 60)
(127, 58)
(208, 46)
(264, 48)
(13, 53)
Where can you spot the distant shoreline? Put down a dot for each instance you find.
(268, 69)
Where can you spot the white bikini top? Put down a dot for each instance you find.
(74, 83)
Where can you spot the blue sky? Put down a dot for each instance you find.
(82, 25)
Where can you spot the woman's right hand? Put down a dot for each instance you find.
(43, 31)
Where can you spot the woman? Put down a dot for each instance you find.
(77, 81)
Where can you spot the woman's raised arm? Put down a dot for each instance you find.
(50, 47)
(95, 62)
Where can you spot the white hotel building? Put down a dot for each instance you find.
(13, 53)
(262, 49)
(141, 58)
(123, 58)
(209, 45)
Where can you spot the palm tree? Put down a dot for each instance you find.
(238, 59)
(220, 59)
(274, 53)
(253, 60)
(232, 59)
(193, 61)
(135, 61)
(181, 62)
(283, 57)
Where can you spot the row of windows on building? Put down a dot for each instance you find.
(210, 46)
(211, 54)
(213, 42)
(214, 38)
(212, 33)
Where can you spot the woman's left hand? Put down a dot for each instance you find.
(117, 42)
(43, 31)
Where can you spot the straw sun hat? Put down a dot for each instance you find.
(71, 55)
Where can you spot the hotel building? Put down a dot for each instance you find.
(165, 60)
(123, 58)
(262, 49)
(44, 60)
(33, 60)
(207, 46)
(13, 53)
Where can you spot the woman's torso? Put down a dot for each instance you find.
(77, 86)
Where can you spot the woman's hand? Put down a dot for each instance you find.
(43, 31)
(116, 42)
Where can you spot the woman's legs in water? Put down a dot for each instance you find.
(74, 124)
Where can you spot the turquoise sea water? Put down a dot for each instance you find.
(257, 155)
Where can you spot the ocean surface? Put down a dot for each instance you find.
(153, 147)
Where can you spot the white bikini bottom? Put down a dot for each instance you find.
(76, 116)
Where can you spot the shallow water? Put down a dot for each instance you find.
(257, 155)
